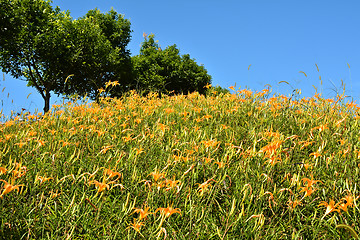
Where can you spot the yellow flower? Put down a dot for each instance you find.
(101, 90)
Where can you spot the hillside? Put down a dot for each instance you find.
(183, 167)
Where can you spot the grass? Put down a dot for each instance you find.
(223, 166)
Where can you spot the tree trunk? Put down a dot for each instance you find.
(47, 102)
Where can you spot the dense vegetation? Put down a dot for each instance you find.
(58, 54)
(191, 166)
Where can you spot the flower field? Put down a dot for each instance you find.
(245, 165)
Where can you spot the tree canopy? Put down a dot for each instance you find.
(166, 70)
(44, 46)
(58, 54)
(99, 45)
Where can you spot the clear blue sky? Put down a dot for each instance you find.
(278, 38)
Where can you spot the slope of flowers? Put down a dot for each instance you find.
(183, 167)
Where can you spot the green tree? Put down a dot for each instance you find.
(32, 40)
(166, 70)
(99, 45)
(44, 46)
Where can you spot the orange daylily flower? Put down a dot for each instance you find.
(315, 154)
(171, 184)
(3, 170)
(143, 213)
(210, 143)
(330, 207)
(293, 204)
(272, 160)
(207, 160)
(136, 225)
(101, 186)
(309, 182)
(308, 191)
(43, 179)
(19, 171)
(112, 173)
(306, 166)
(167, 212)
(271, 198)
(156, 175)
(347, 202)
(202, 187)
(343, 206)
(106, 148)
(163, 127)
(207, 117)
(139, 150)
(271, 148)
(9, 187)
(220, 164)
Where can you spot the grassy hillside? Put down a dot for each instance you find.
(183, 167)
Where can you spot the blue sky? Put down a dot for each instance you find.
(278, 38)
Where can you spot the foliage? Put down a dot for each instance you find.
(44, 46)
(183, 167)
(99, 45)
(33, 43)
(166, 71)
